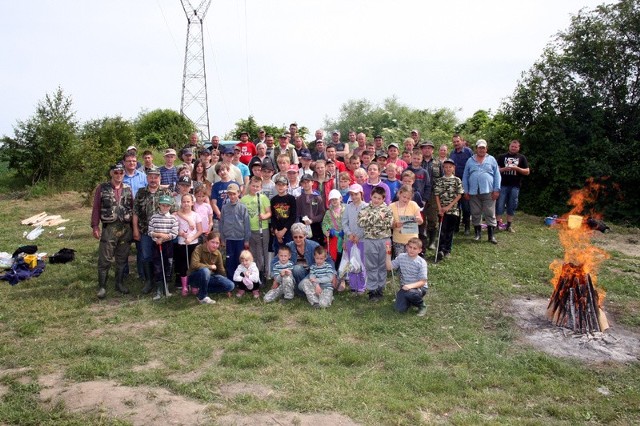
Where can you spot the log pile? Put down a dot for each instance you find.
(42, 219)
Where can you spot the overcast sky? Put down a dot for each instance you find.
(279, 60)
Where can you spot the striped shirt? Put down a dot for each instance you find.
(279, 267)
(412, 269)
(323, 273)
(165, 224)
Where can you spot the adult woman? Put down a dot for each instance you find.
(301, 254)
(261, 156)
(443, 151)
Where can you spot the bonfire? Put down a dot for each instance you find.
(577, 301)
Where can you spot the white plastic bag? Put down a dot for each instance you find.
(356, 264)
(344, 267)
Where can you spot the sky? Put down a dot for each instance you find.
(278, 60)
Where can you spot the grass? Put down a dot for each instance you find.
(465, 363)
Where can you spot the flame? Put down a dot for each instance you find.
(578, 249)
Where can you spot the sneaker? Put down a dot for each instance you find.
(207, 301)
(102, 293)
(239, 293)
(510, 229)
(157, 297)
(256, 294)
(422, 311)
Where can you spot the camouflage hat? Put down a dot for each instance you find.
(165, 199)
(282, 179)
(153, 171)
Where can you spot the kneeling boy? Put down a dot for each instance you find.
(413, 272)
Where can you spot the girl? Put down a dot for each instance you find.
(247, 277)
(189, 230)
(204, 210)
(406, 218)
(332, 228)
(344, 180)
(355, 234)
(199, 177)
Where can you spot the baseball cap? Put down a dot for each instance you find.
(131, 148)
(169, 151)
(153, 171)
(305, 155)
(481, 142)
(393, 145)
(334, 193)
(427, 143)
(355, 187)
(184, 180)
(233, 188)
(448, 160)
(282, 179)
(165, 199)
(305, 177)
(292, 168)
(117, 167)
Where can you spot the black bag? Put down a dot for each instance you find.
(64, 255)
(25, 250)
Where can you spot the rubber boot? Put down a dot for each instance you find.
(148, 278)
(478, 230)
(467, 226)
(102, 284)
(120, 272)
(431, 234)
(183, 283)
(492, 238)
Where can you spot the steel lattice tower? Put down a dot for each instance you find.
(194, 104)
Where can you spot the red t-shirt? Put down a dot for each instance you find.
(247, 151)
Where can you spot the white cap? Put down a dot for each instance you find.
(335, 194)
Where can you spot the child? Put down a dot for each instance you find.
(168, 173)
(344, 180)
(189, 230)
(163, 227)
(406, 218)
(219, 191)
(322, 279)
(413, 272)
(203, 208)
(259, 208)
(247, 276)
(448, 192)
(332, 228)
(376, 220)
(355, 235)
(235, 229)
(294, 181)
(183, 187)
(268, 185)
(281, 272)
(392, 179)
(283, 214)
(310, 209)
(206, 270)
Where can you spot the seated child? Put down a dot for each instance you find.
(413, 272)
(322, 279)
(247, 277)
(282, 277)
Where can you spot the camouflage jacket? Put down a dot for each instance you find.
(145, 205)
(448, 188)
(376, 221)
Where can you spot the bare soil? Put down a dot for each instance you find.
(627, 243)
(285, 418)
(614, 345)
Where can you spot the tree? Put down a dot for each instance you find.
(578, 109)
(495, 128)
(250, 126)
(44, 147)
(393, 120)
(163, 128)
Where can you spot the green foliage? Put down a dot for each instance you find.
(250, 126)
(103, 142)
(578, 108)
(163, 128)
(44, 147)
(393, 120)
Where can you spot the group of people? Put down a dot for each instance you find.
(312, 218)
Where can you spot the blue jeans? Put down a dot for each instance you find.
(407, 298)
(509, 198)
(146, 248)
(207, 282)
(299, 273)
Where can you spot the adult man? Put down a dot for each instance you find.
(361, 144)
(415, 135)
(299, 146)
(147, 158)
(270, 142)
(351, 141)
(247, 148)
(481, 183)
(378, 144)
(513, 166)
(215, 142)
(285, 147)
(460, 154)
(261, 137)
(145, 205)
(194, 142)
(113, 206)
(342, 149)
(319, 152)
(319, 136)
(133, 177)
(186, 155)
(434, 169)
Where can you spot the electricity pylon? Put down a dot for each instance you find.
(194, 104)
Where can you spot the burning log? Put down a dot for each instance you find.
(575, 302)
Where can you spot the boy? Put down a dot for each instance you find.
(366, 159)
(147, 158)
(294, 181)
(413, 273)
(392, 179)
(219, 189)
(283, 214)
(448, 192)
(268, 185)
(235, 229)
(282, 277)
(163, 228)
(321, 282)
(259, 208)
(168, 173)
(310, 209)
(376, 220)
